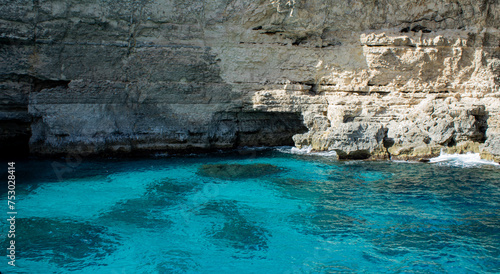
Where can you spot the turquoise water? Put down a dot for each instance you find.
(255, 212)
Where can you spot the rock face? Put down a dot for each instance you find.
(368, 79)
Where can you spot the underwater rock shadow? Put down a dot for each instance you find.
(67, 243)
(236, 231)
(147, 210)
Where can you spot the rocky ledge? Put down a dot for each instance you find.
(367, 79)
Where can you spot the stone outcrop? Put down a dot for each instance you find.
(368, 79)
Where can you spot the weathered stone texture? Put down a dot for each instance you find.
(368, 79)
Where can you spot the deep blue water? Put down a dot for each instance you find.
(254, 212)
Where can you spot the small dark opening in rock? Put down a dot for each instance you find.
(257, 28)
(15, 42)
(271, 32)
(481, 125)
(388, 142)
(452, 142)
(62, 135)
(348, 119)
(299, 41)
(314, 88)
(355, 155)
(418, 28)
(39, 84)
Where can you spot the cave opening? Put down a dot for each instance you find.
(239, 129)
(481, 125)
(14, 139)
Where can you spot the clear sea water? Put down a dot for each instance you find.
(255, 211)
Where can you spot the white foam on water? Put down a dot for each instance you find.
(306, 151)
(461, 160)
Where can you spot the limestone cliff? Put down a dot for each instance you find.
(367, 78)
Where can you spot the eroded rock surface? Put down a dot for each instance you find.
(368, 79)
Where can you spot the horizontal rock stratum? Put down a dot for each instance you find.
(369, 79)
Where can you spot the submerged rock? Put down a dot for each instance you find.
(237, 171)
(146, 211)
(67, 243)
(237, 231)
(242, 234)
